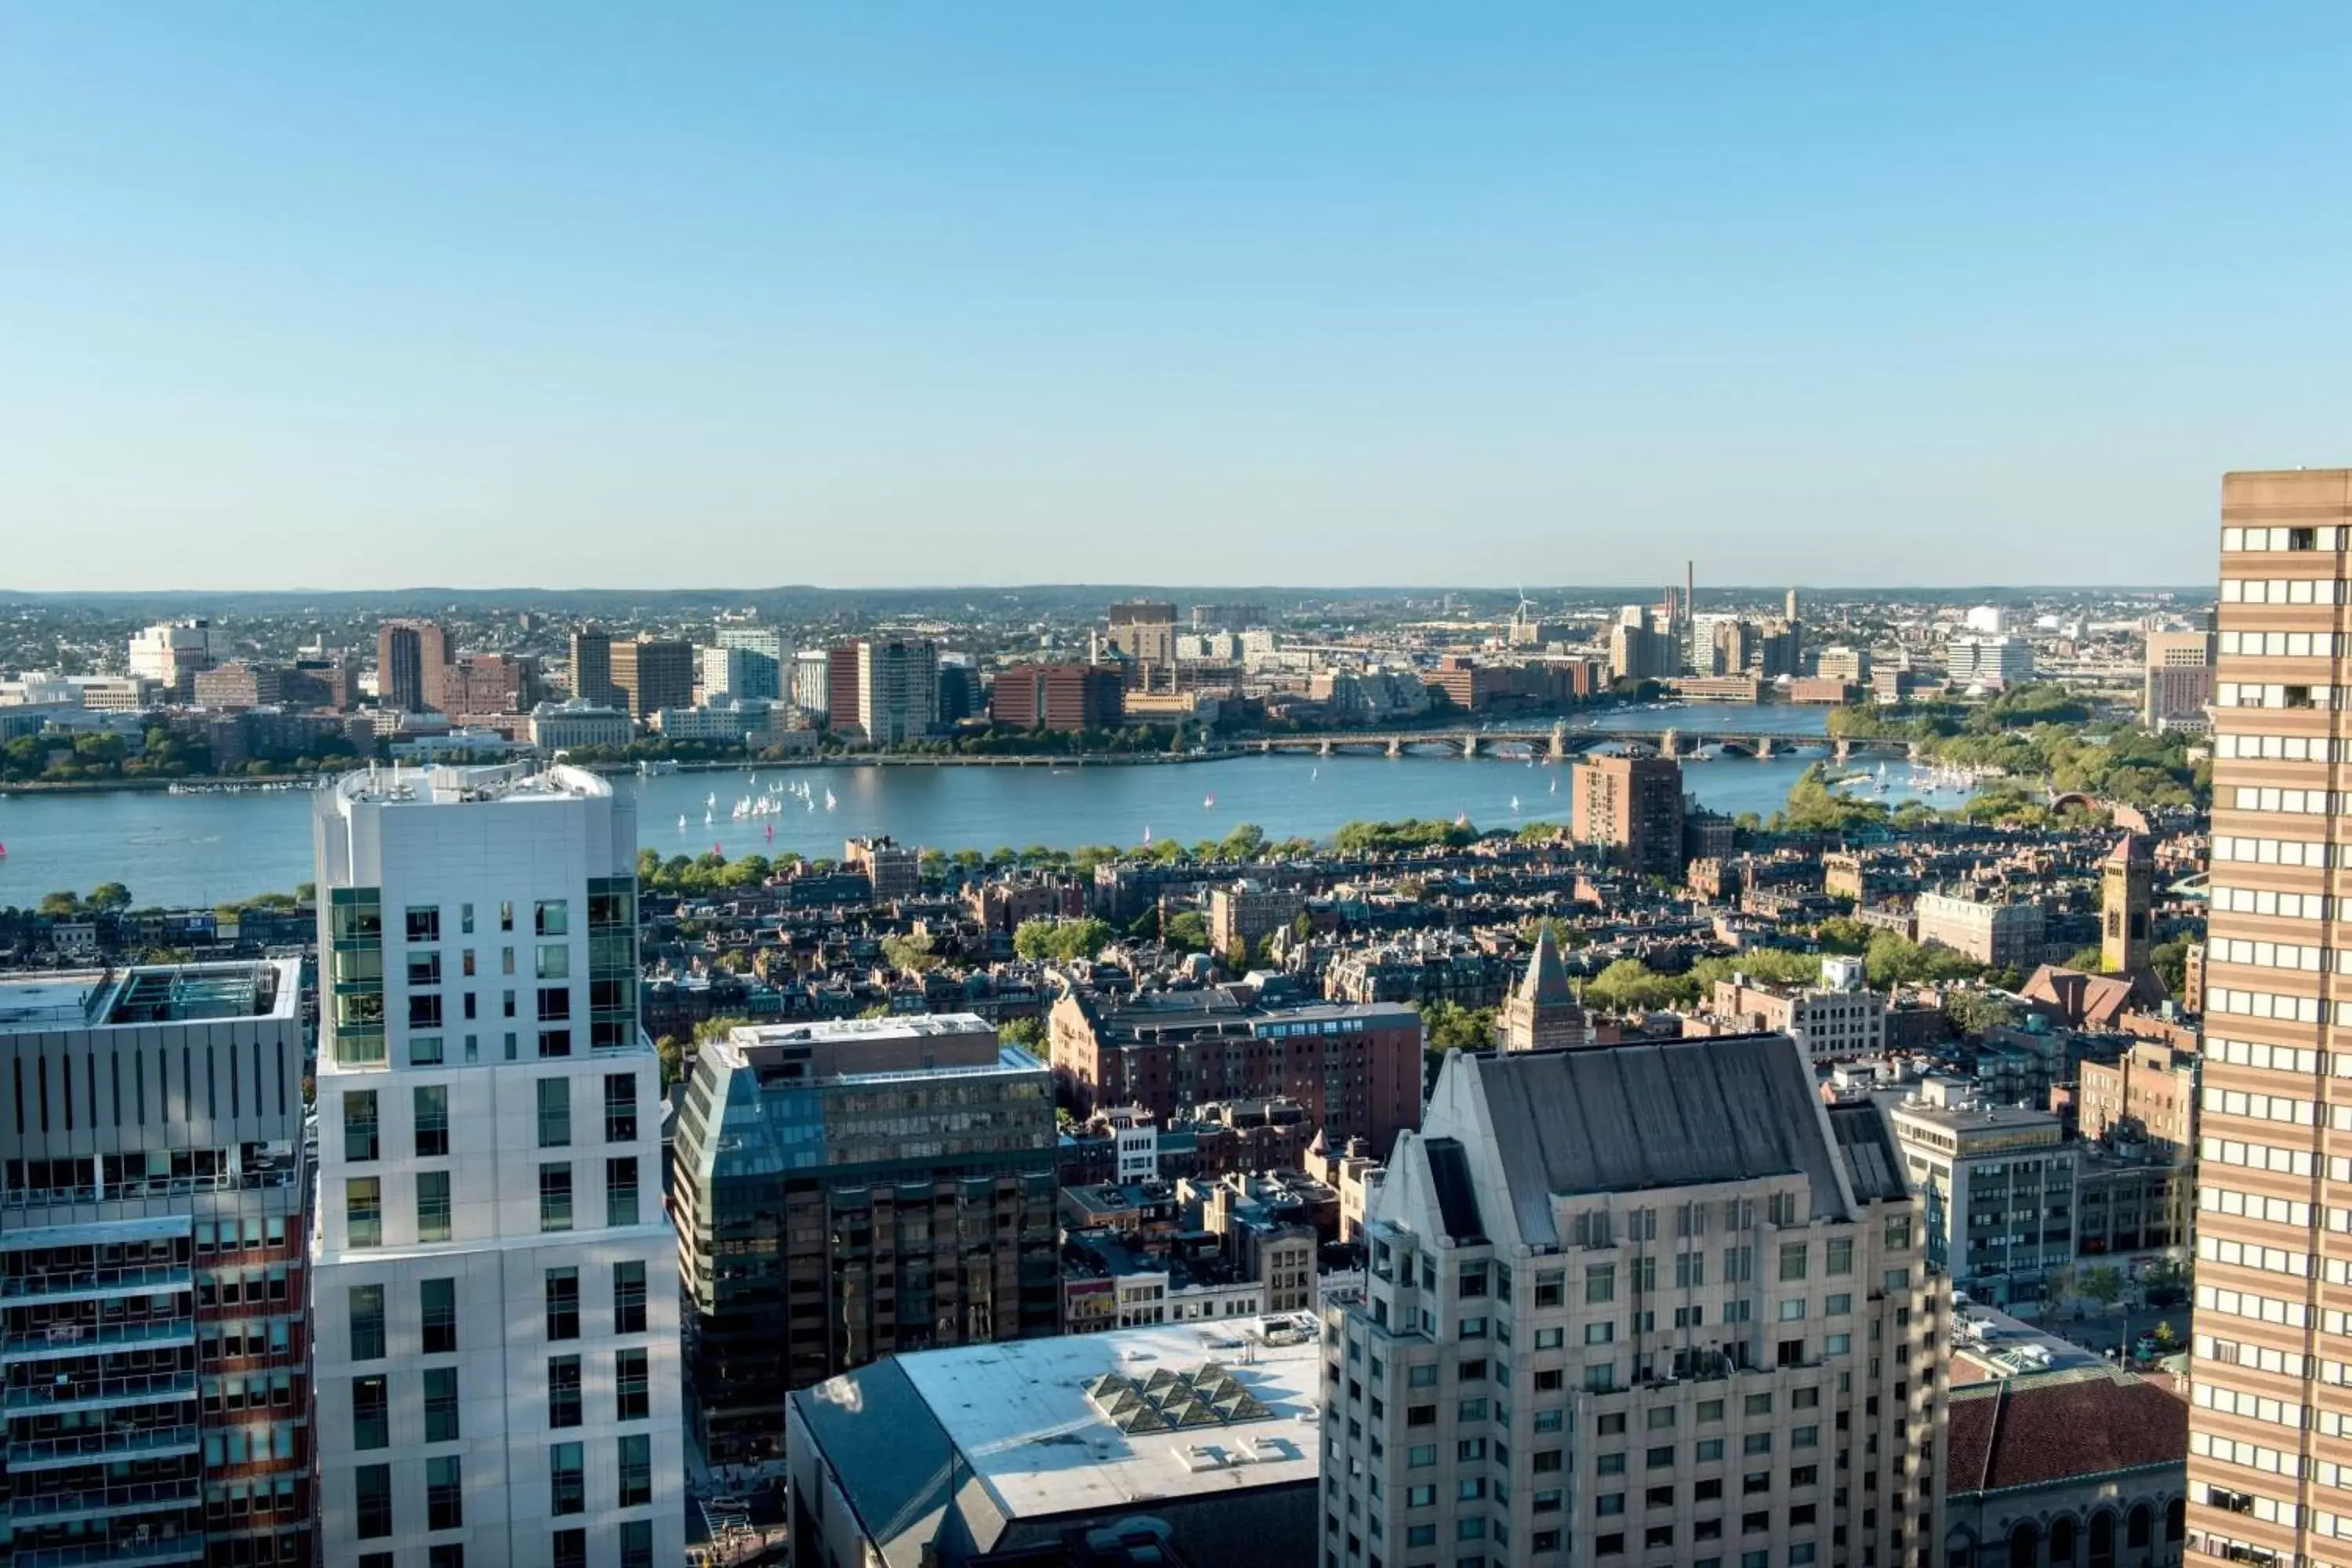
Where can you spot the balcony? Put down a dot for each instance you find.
(102, 1393)
(63, 1341)
(101, 1447)
(102, 1503)
(273, 1176)
(96, 1284)
(136, 1550)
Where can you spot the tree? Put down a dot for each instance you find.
(109, 896)
(1029, 1033)
(911, 953)
(60, 905)
(1188, 931)
(672, 1054)
(1060, 941)
(2102, 1283)
(1237, 955)
(1246, 842)
(1893, 959)
(2166, 1337)
(2090, 960)
(1842, 934)
(2170, 962)
(1629, 986)
(1449, 1026)
(1975, 1014)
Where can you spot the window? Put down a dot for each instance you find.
(621, 1191)
(1755, 1481)
(445, 1494)
(423, 1011)
(447, 1554)
(373, 1483)
(424, 924)
(432, 1205)
(1609, 1465)
(637, 1470)
(370, 1413)
(425, 968)
(1708, 1450)
(554, 1004)
(554, 1044)
(1608, 1505)
(1793, 1261)
(359, 1125)
(432, 1103)
(1551, 1289)
(425, 1050)
(1420, 1496)
(563, 1391)
(567, 1481)
(1661, 1458)
(505, 916)
(1756, 1443)
(619, 1108)
(632, 1384)
(440, 1403)
(436, 1301)
(1421, 1456)
(564, 1303)
(367, 1322)
(555, 1197)
(1840, 1256)
(1421, 1376)
(554, 1113)
(363, 1210)
(554, 960)
(636, 1543)
(1600, 1283)
(629, 1297)
(554, 919)
(1601, 1333)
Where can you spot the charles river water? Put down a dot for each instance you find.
(202, 849)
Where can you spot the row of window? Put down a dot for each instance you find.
(2271, 1005)
(2283, 645)
(2275, 1058)
(2278, 694)
(364, 1202)
(436, 1301)
(445, 1492)
(2276, 748)
(2288, 802)
(2306, 956)
(549, 960)
(549, 917)
(2297, 539)
(2254, 851)
(429, 1116)
(372, 1396)
(2257, 1308)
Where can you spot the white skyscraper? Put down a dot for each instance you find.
(494, 1282)
(898, 689)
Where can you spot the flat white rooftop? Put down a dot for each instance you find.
(1021, 1414)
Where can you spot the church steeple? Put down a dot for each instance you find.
(1543, 1012)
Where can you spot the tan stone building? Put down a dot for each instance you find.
(1542, 1011)
(2151, 1084)
(1640, 1303)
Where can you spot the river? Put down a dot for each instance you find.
(202, 849)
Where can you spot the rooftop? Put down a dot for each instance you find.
(2032, 1431)
(513, 782)
(1020, 1418)
(150, 993)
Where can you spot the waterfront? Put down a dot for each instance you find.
(200, 849)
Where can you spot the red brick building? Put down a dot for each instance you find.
(1356, 1068)
(1068, 697)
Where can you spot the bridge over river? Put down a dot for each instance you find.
(1559, 741)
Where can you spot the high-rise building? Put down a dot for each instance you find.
(1648, 1304)
(592, 668)
(843, 689)
(153, 1349)
(1143, 631)
(1542, 1011)
(898, 689)
(172, 653)
(2271, 1417)
(2177, 684)
(1642, 645)
(812, 681)
(1633, 808)
(1971, 660)
(740, 672)
(495, 1283)
(849, 1190)
(652, 673)
(768, 640)
(484, 684)
(412, 666)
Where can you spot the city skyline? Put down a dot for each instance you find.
(864, 299)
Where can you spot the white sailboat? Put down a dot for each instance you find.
(681, 822)
(1515, 805)
(829, 802)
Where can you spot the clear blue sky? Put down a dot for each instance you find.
(353, 296)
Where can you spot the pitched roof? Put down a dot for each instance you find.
(1547, 978)
(2033, 1430)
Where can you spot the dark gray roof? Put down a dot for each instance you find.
(895, 1462)
(1547, 978)
(1871, 1162)
(1631, 1118)
(1458, 1201)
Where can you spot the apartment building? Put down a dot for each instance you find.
(2178, 683)
(494, 1283)
(1648, 1304)
(2271, 1423)
(1066, 696)
(592, 669)
(1248, 910)
(848, 1191)
(2001, 935)
(897, 690)
(153, 1349)
(1841, 1019)
(412, 666)
(1633, 807)
(649, 674)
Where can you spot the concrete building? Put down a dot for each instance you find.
(2178, 683)
(559, 726)
(1838, 662)
(1999, 1186)
(1542, 1011)
(766, 641)
(240, 683)
(897, 690)
(1170, 1446)
(2271, 1430)
(495, 1283)
(412, 666)
(1654, 1303)
(1973, 660)
(851, 1191)
(1633, 807)
(1065, 697)
(740, 670)
(1249, 911)
(172, 654)
(1841, 1020)
(1356, 1070)
(2052, 1469)
(1641, 647)
(1143, 633)
(152, 1348)
(484, 684)
(592, 669)
(842, 702)
(652, 673)
(2001, 935)
(812, 681)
